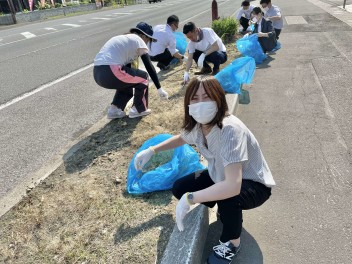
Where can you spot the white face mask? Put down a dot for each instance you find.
(266, 9)
(254, 20)
(203, 112)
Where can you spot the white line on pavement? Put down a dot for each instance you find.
(48, 28)
(122, 13)
(71, 25)
(28, 35)
(41, 88)
(101, 18)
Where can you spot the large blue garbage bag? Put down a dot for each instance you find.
(184, 161)
(238, 72)
(249, 46)
(181, 42)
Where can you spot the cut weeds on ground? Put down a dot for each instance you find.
(82, 214)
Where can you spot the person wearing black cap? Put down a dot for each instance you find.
(112, 70)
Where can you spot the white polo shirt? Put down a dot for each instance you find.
(246, 13)
(233, 143)
(209, 37)
(166, 39)
(120, 50)
(275, 11)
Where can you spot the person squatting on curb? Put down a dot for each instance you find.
(273, 13)
(238, 177)
(164, 50)
(204, 46)
(112, 70)
(264, 29)
(244, 15)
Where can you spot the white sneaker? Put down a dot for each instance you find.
(114, 112)
(134, 113)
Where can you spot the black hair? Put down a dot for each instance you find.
(189, 27)
(265, 1)
(245, 3)
(172, 19)
(257, 10)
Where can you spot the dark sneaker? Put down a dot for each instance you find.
(162, 66)
(223, 253)
(204, 70)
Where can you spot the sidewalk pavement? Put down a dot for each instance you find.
(303, 42)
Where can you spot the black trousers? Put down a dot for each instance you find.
(104, 77)
(252, 195)
(277, 32)
(164, 58)
(244, 23)
(216, 58)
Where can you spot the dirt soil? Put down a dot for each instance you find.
(82, 212)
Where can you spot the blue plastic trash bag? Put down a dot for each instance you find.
(277, 47)
(184, 161)
(236, 73)
(249, 46)
(181, 42)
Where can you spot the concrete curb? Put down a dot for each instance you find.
(187, 247)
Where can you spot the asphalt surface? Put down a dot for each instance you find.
(300, 112)
(56, 67)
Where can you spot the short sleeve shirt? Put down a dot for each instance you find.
(165, 40)
(246, 13)
(120, 50)
(209, 37)
(275, 11)
(233, 143)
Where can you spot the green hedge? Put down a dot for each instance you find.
(225, 28)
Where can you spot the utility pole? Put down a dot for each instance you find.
(12, 9)
(344, 4)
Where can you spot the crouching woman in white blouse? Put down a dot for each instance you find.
(238, 177)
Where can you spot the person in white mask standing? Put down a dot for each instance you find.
(238, 177)
(273, 14)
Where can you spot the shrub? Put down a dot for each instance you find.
(25, 11)
(225, 28)
(58, 5)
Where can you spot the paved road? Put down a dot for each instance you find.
(300, 112)
(52, 60)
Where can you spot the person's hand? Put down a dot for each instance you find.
(163, 94)
(246, 35)
(185, 59)
(185, 77)
(201, 61)
(142, 158)
(182, 209)
(261, 35)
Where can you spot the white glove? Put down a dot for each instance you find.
(182, 209)
(185, 59)
(142, 158)
(201, 61)
(163, 94)
(186, 77)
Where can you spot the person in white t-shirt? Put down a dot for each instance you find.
(273, 14)
(112, 70)
(237, 178)
(204, 46)
(164, 50)
(244, 15)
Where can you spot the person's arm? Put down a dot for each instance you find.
(269, 30)
(189, 62)
(170, 143)
(239, 15)
(277, 16)
(225, 189)
(150, 69)
(214, 47)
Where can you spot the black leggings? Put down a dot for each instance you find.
(252, 195)
(135, 78)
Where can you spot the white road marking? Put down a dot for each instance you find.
(48, 28)
(71, 25)
(101, 18)
(123, 13)
(28, 35)
(43, 87)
